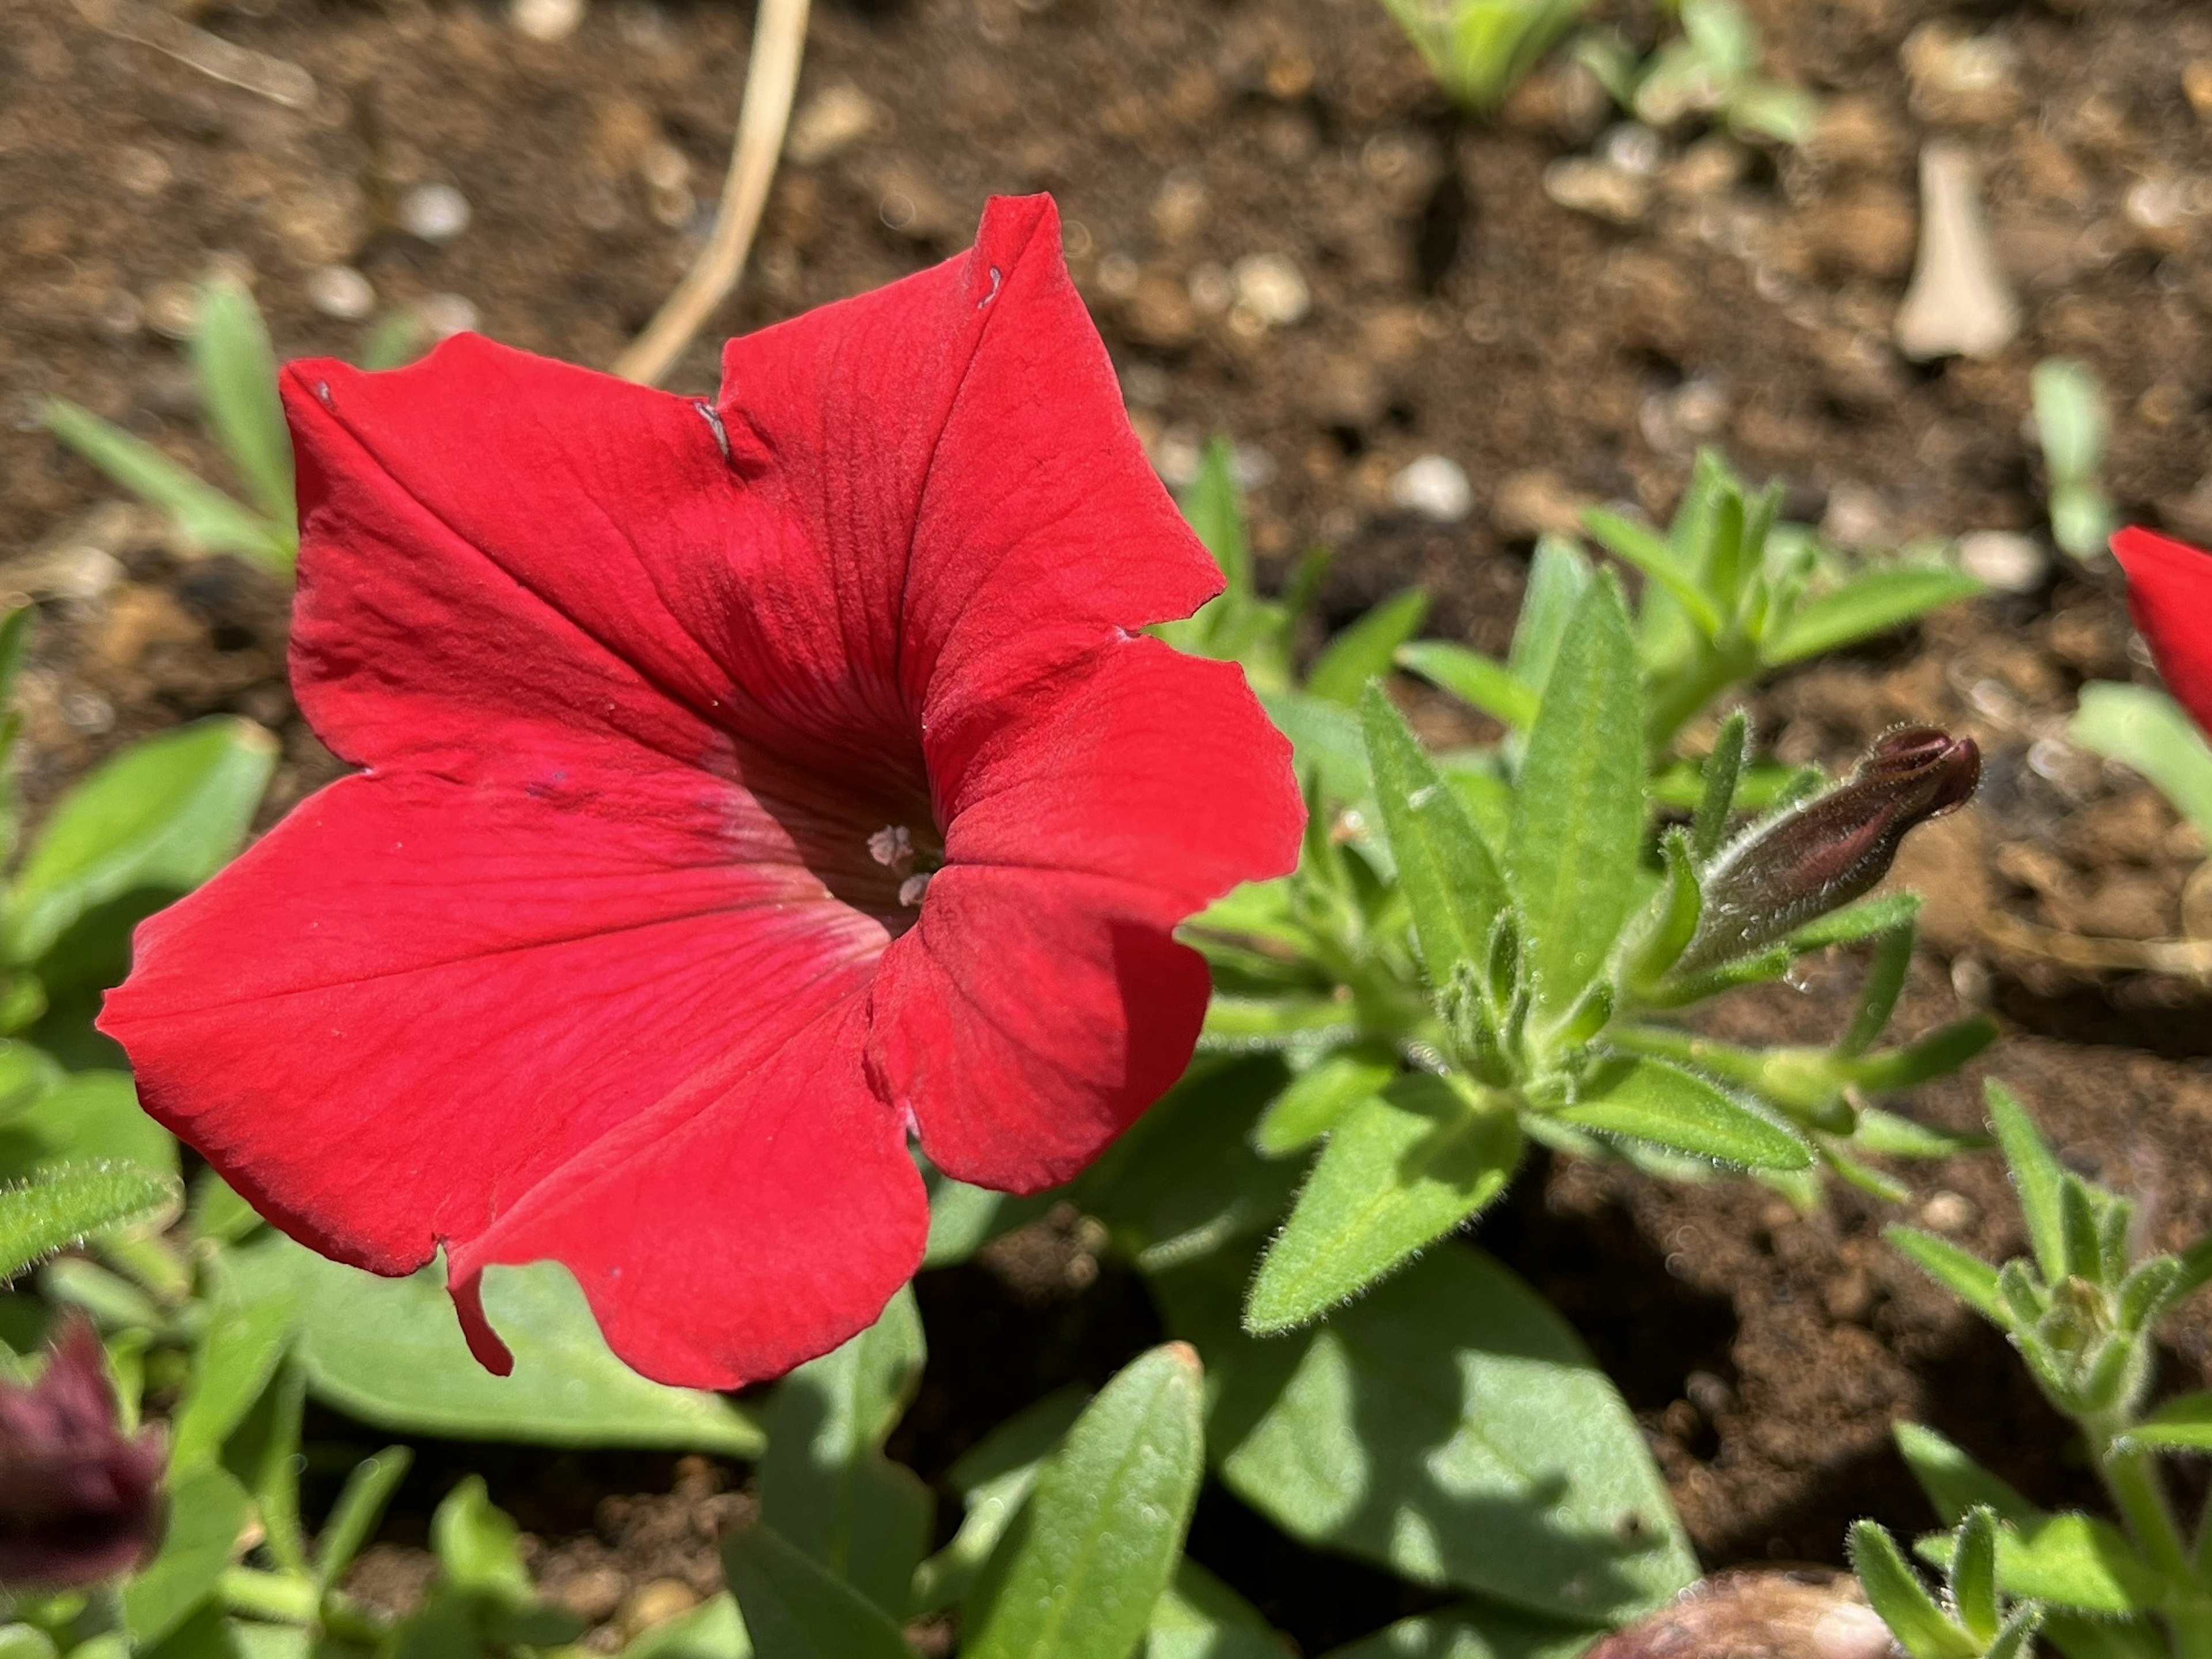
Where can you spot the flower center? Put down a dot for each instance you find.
(893, 848)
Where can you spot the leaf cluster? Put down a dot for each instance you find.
(1709, 71)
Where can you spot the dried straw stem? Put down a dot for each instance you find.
(771, 80)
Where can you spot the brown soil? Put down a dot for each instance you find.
(1455, 310)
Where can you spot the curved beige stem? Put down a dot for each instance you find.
(2183, 958)
(771, 79)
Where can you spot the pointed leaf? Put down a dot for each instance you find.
(389, 1352)
(824, 1484)
(1955, 1483)
(165, 813)
(62, 1206)
(1319, 1097)
(2036, 1176)
(1648, 552)
(794, 1609)
(1967, 1276)
(994, 1478)
(1578, 814)
(1482, 682)
(1079, 1576)
(1866, 606)
(1451, 881)
(2183, 1424)
(1723, 770)
(1448, 1426)
(2079, 1562)
(237, 371)
(208, 520)
(1199, 1617)
(1403, 1169)
(1215, 509)
(2144, 728)
(360, 1504)
(1558, 577)
(1973, 1574)
(1903, 1600)
(208, 1513)
(1653, 1101)
(1365, 650)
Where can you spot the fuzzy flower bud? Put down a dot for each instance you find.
(78, 1501)
(1834, 848)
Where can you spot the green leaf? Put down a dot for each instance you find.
(1868, 605)
(389, 1352)
(1648, 552)
(2145, 729)
(964, 1219)
(994, 1478)
(210, 520)
(1325, 741)
(1903, 1600)
(165, 813)
(1973, 1574)
(1184, 1181)
(1474, 678)
(2183, 1424)
(1559, 576)
(87, 1116)
(1653, 1101)
(2069, 419)
(1894, 1136)
(1450, 880)
(2079, 1637)
(360, 1504)
(478, 1546)
(208, 1512)
(1473, 1630)
(237, 371)
(1885, 983)
(1955, 1483)
(2079, 1562)
(2036, 1176)
(1723, 770)
(710, 1630)
(1967, 1276)
(237, 1353)
(1939, 1054)
(1365, 651)
(1078, 1576)
(62, 1206)
(824, 1484)
(794, 1608)
(1449, 1426)
(1199, 1617)
(1215, 509)
(1319, 1097)
(2014, 1636)
(1403, 1169)
(1868, 919)
(1572, 854)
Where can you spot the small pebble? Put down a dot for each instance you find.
(1213, 290)
(1959, 304)
(831, 123)
(1600, 189)
(444, 314)
(436, 213)
(1949, 1212)
(1634, 148)
(2004, 560)
(1270, 288)
(1857, 516)
(341, 291)
(172, 310)
(1434, 488)
(2197, 87)
(546, 19)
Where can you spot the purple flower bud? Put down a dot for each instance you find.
(78, 1502)
(1818, 857)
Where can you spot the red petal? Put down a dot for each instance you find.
(754, 1218)
(2170, 591)
(951, 471)
(506, 561)
(1030, 1018)
(414, 1003)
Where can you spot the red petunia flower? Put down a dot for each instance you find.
(744, 784)
(2170, 591)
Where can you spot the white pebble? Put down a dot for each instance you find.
(444, 314)
(1269, 287)
(2004, 560)
(1949, 1212)
(341, 291)
(436, 213)
(1598, 188)
(546, 19)
(831, 122)
(1434, 488)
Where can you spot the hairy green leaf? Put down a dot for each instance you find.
(1870, 603)
(1451, 881)
(64, 1205)
(1651, 1100)
(1365, 651)
(794, 1608)
(1482, 682)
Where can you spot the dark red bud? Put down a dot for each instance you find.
(78, 1501)
(1833, 849)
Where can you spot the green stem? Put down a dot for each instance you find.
(2132, 1479)
(1675, 702)
(286, 1598)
